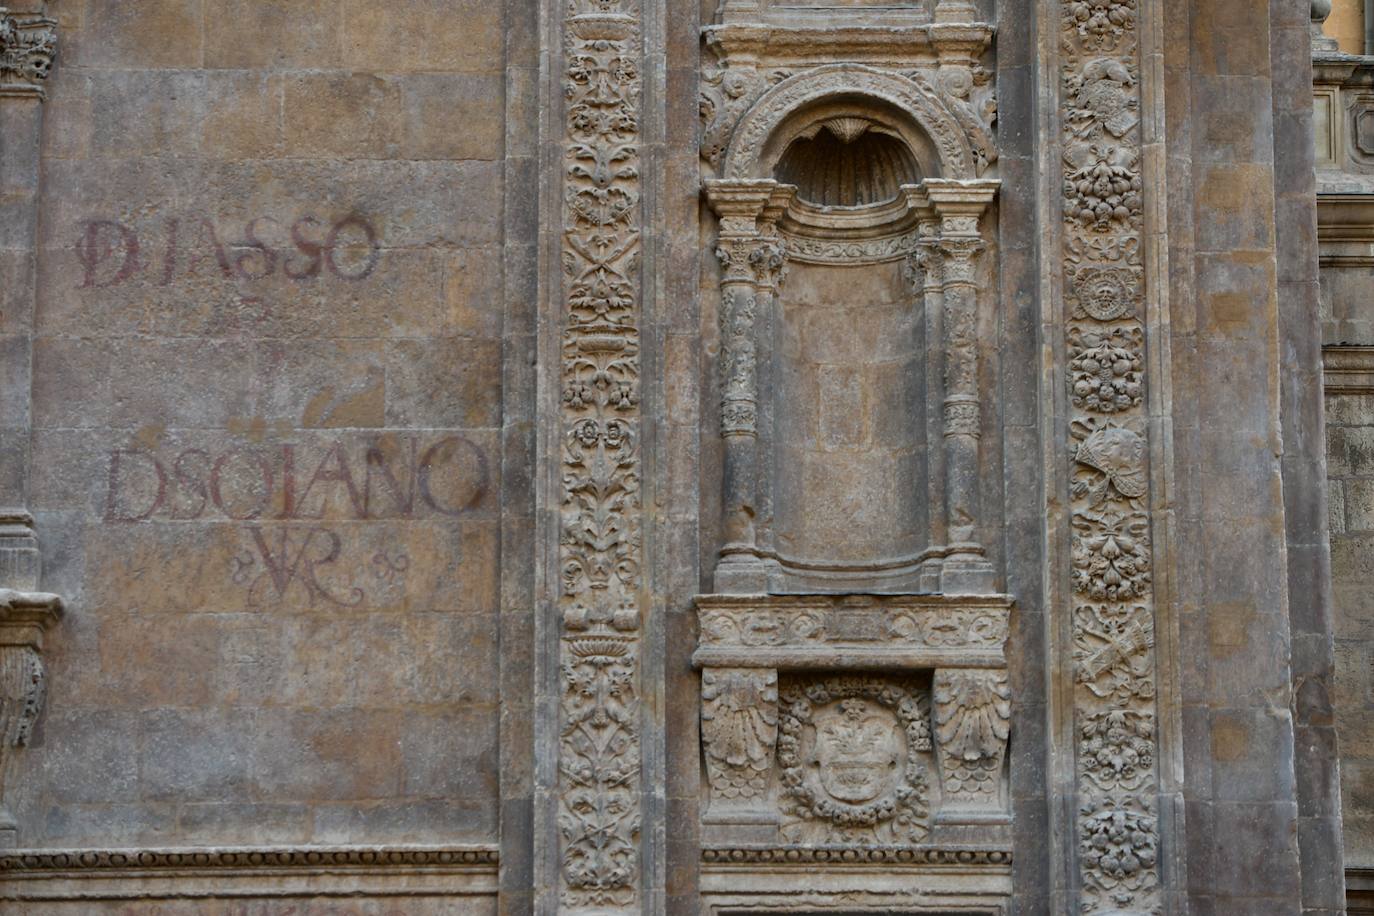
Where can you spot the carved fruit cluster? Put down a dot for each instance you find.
(1111, 549)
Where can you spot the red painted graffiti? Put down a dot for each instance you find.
(372, 478)
(112, 253)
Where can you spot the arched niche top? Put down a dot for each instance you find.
(902, 106)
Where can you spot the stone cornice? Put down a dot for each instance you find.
(1348, 369)
(248, 871)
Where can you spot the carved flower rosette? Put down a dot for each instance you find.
(1102, 118)
(852, 753)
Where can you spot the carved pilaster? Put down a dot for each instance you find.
(600, 546)
(1111, 554)
(739, 728)
(28, 46)
(972, 711)
(24, 617)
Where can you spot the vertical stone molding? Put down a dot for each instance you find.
(24, 617)
(1111, 621)
(972, 712)
(28, 47)
(959, 205)
(600, 525)
(752, 261)
(739, 728)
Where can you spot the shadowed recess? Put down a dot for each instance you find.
(845, 164)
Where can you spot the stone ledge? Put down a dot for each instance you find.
(1348, 369)
(890, 632)
(210, 872)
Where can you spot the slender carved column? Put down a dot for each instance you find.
(751, 260)
(959, 205)
(925, 273)
(24, 616)
(739, 728)
(972, 709)
(28, 45)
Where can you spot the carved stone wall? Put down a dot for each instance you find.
(619, 456)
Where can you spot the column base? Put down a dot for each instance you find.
(967, 574)
(742, 574)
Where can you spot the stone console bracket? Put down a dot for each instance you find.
(747, 641)
(24, 618)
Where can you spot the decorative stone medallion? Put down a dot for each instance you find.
(851, 759)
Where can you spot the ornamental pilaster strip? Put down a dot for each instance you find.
(600, 550)
(1111, 620)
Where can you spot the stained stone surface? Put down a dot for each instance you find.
(626, 456)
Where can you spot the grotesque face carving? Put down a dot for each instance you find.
(857, 750)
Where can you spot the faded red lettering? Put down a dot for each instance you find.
(98, 245)
(215, 493)
(114, 512)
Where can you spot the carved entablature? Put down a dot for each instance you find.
(28, 46)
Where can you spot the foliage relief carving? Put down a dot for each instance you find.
(1111, 543)
(600, 544)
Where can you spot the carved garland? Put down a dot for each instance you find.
(599, 538)
(899, 815)
(1111, 551)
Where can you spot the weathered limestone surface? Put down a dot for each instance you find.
(627, 456)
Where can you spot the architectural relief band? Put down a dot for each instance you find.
(600, 546)
(1112, 621)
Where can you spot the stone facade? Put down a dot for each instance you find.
(619, 456)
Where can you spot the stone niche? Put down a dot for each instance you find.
(855, 703)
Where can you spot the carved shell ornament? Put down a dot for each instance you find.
(1119, 455)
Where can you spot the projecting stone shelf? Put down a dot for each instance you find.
(852, 632)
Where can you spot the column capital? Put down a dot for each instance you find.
(747, 206)
(28, 45)
(960, 204)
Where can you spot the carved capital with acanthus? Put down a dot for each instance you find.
(739, 728)
(28, 46)
(24, 618)
(972, 711)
